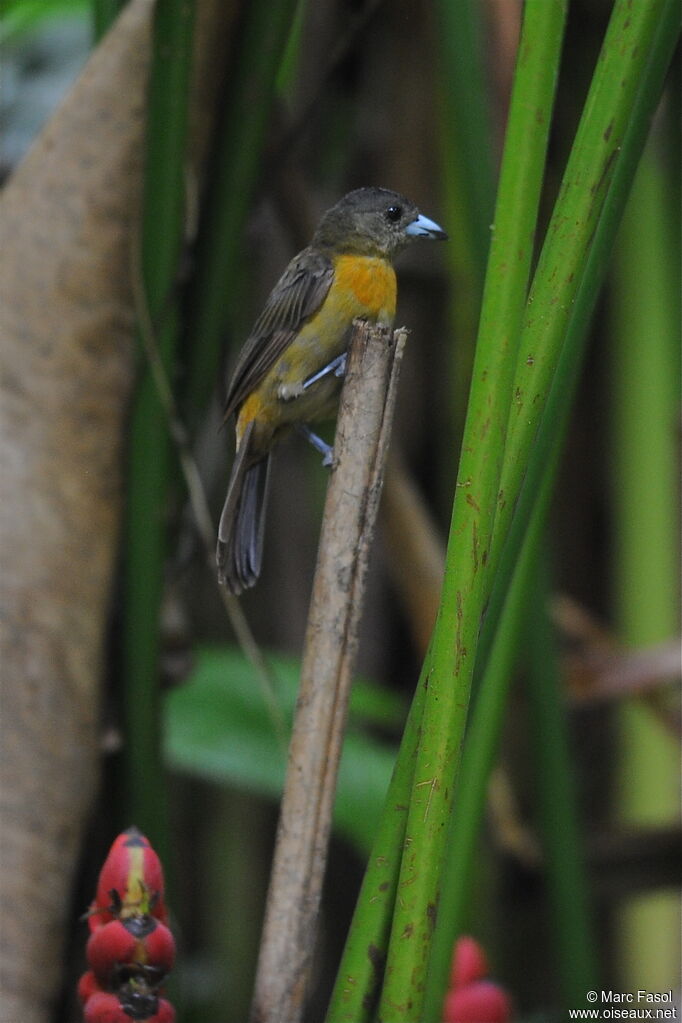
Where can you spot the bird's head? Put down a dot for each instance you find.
(375, 222)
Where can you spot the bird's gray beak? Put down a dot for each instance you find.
(422, 227)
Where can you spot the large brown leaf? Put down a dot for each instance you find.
(67, 218)
(65, 342)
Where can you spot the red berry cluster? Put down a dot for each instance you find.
(472, 998)
(131, 949)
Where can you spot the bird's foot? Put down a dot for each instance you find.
(326, 450)
(337, 366)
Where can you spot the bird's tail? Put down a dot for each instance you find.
(240, 534)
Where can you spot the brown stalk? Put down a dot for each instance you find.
(417, 552)
(361, 442)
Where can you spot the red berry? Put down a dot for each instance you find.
(136, 941)
(165, 1014)
(103, 1007)
(109, 945)
(159, 948)
(480, 1002)
(469, 962)
(87, 986)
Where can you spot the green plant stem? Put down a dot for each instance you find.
(564, 866)
(563, 388)
(474, 510)
(478, 759)
(104, 14)
(502, 639)
(219, 259)
(623, 61)
(590, 169)
(288, 66)
(468, 126)
(150, 460)
(468, 160)
(505, 295)
(361, 968)
(645, 370)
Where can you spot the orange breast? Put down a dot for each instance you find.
(370, 280)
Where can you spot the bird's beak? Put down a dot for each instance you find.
(422, 227)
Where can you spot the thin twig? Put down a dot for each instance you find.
(198, 500)
(360, 447)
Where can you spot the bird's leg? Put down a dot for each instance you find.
(289, 392)
(337, 366)
(326, 450)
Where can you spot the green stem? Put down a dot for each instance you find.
(506, 289)
(474, 552)
(291, 54)
(468, 172)
(556, 414)
(586, 182)
(150, 460)
(488, 714)
(564, 869)
(478, 759)
(104, 14)
(251, 90)
(645, 374)
(469, 132)
(361, 969)
(474, 510)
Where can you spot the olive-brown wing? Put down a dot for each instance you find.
(298, 294)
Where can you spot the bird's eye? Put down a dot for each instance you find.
(394, 213)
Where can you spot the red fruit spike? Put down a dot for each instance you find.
(107, 946)
(469, 962)
(131, 880)
(87, 986)
(103, 1007)
(480, 1002)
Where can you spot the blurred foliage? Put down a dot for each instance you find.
(22, 16)
(216, 730)
(43, 47)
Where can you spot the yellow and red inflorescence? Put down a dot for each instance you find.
(131, 949)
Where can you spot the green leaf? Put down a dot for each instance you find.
(22, 16)
(217, 727)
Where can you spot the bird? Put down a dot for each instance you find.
(289, 372)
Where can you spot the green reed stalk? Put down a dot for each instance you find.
(150, 464)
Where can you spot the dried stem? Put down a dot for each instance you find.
(353, 494)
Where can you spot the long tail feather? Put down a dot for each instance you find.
(239, 552)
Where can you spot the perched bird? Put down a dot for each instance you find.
(289, 371)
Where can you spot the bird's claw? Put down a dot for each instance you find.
(340, 370)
